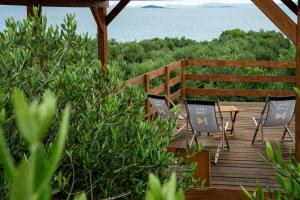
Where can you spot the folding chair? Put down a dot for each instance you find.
(203, 119)
(279, 113)
(160, 105)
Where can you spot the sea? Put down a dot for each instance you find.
(199, 22)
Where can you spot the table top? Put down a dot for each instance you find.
(228, 109)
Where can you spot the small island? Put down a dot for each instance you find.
(152, 6)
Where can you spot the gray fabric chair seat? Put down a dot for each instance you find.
(203, 119)
(280, 111)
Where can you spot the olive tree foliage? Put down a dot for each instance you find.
(32, 178)
(111, 149)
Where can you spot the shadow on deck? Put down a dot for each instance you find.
(243, 164)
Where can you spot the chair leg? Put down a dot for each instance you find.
(193, 138)
(217, 154)
(225, 135)
(256, 130)
(262, 133)
(227, 143)
(287, 130)
(284, 133)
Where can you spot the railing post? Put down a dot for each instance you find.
(147, 88)
(167, 83)
(183, 83)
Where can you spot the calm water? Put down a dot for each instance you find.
(197, 23)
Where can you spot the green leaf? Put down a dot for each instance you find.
(26, 125)
(58, 146)
(154, 188)
(248, 194)
(46, 111)
(22, 187)
(34, 120)
(38, 165)
(297, 90)
(81, 197)
(270, 151)
(5, 158)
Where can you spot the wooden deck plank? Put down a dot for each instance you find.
(243, 164)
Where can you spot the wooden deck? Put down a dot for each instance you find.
(242, 165)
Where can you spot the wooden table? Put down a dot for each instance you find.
(233, 114)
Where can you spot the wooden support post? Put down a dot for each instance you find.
(99, 15)
(183, 83)
(278, 17)
(297, 113)
(147, 88)
(30, 10)
(167, 83)
(102, 39)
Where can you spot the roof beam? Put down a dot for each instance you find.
(57, 3)
(115, 11)
(278, 17)
(291, 5)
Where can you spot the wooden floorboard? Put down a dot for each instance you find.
(243, 164)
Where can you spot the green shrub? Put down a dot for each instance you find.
(32, 178)
(111, 149)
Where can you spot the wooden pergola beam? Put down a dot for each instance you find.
(297, 112)
(57, 3)
(115, 11)
(278, 17)
(291, 5)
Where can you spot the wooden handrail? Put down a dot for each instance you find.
(183, 91)
(236, 92)
(241, 63)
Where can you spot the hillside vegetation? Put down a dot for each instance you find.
(135, 58)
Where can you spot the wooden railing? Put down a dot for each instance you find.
(184, 76)
(183, 90)
(239, 78)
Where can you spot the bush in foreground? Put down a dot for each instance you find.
(111, 149)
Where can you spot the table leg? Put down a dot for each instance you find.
(233, 119)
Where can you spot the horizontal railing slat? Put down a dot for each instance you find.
(135, 81)
(175, 65)
(161, 71)
(241, 63)
(156, 73)
(157, 90)
(239, 78)
(175, 95)
(236, 92)
(175, 81)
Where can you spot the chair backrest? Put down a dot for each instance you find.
(159, 105)
(202, 116)
(280, 111)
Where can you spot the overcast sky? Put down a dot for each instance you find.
(185, 2)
